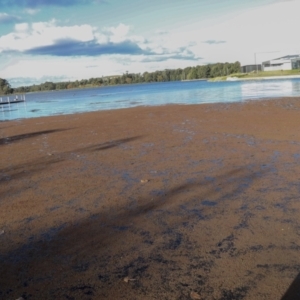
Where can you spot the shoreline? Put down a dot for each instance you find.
(180, 198)
(256, 78)
(272, 77)
(161, 105)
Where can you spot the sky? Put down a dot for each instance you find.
(62, 40)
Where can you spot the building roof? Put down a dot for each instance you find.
(250, 65)
(288, 57)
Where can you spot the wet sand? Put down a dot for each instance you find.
(190, 202)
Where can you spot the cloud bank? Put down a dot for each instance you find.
(90, 48)
(51, 39)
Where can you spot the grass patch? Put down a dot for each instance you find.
(272, 73)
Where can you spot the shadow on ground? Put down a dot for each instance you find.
(108, 145)
(15, 138)
(293, 292)
(38, 165)
(87, 259)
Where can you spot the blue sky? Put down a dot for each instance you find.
(55, 40)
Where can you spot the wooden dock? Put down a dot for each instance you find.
(15, 100)
(11, 102)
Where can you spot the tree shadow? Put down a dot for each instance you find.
(21, 170)
(107, 145)
(77, 246)
(15, 138)
(293, 292)
(38, 165)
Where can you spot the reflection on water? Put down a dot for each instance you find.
(13, 111)
(105, 98)
(270, 88)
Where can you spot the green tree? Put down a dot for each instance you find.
(237, 67)
(35, 88)
(61, 85)
(207, 70)
(192, 74)
(48, 86)
(147, 77)
(166, 75)
(5, 87)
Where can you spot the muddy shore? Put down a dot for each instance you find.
(170, 202)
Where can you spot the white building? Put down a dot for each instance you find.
(288, 62)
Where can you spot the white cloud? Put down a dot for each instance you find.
(268, 28)
(21, 27)
(161, 32)
(70, 68)
(31, 11)
(26, 36)
(118, 34)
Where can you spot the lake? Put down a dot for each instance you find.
(124, 96)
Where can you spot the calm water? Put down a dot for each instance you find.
(104, 98)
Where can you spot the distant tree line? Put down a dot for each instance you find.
(5, 87)
(189, 73)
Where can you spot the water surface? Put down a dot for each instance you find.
(124, 96)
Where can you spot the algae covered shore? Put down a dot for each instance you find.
(169, 202)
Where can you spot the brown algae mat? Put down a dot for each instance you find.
(170, 202)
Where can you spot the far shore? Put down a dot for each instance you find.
(231, 78)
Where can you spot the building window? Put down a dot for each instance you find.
(296, 64)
